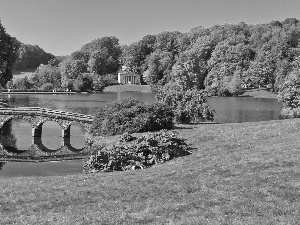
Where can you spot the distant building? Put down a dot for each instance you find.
(127, 77)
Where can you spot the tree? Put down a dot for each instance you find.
(8, 54)
(184, 75)
(98, 83)
(235, 86)
(102, 63)
(159, 67)
(31, 56)
(46, 87)
(191, 67)
(84, 82)
(132, 56)
(168, 42)
(189, 106)
(290, 92)
(21, 83)
(104, 55)
(81, 55)
(46, 74)
(70, 69)
(227, 57)
(1, 165)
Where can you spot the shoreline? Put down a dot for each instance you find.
(258, 93)
(254, 93)
(38, 92)
(128, 87)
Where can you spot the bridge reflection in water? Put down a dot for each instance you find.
(38, 151)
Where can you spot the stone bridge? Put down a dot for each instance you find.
(38, 152)
(37, 116)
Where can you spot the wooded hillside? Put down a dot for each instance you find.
(223, 59)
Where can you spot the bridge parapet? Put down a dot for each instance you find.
(44, 112)
(37, 116)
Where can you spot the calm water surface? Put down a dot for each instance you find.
(228, 110)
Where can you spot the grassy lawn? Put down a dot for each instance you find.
(259, 93)
(128, 87)
(23, 73)
(246, 173)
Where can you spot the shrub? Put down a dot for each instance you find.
(131, 115)
(110, 79)
(100, 82)
(137, 153)
(21, 83)
(289, 113)
(189, 106)
(290, 96)
(46, 87)
(83, 82)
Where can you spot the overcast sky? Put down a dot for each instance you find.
(61, 27)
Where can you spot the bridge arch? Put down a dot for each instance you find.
(37, 117)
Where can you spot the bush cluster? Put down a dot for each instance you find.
(136, 153)
(189, 106)
(131, 115)
(289, 113)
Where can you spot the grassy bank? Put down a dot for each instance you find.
(244, 173)
(128, 87)
(255, 93)
(259, 93)
(24, 73)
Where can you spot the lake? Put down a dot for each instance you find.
(228, 110)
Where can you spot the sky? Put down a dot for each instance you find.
(61, 27)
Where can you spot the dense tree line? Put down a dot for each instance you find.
(93, 67)
(8, 53)
(30, 57)
(223, 59)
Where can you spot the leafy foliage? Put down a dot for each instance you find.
(290, 93)
(189, 106)
(104, 55)
(84, 82)
(131, 115)
(46, 74)
(21, 84)
(136, 153)
(8, 54)
(31, 56)
(47, 87)
(1, 165)
(222, 59)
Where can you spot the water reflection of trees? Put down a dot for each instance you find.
(7, 137)
(1, 165)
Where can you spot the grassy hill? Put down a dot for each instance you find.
(242, 173)
(23, 73)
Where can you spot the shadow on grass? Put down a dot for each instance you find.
(181, 128)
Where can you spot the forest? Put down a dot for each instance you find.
(223, 60)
